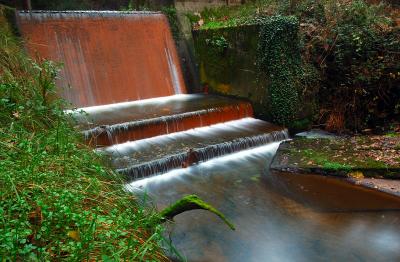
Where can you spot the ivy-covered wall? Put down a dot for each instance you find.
(261, 63)
(279, 61)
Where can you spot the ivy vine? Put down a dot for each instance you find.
(279, 62)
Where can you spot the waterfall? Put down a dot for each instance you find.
(139, 159)
(107, 56)
(122, 73)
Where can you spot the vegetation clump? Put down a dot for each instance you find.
(350, 58)
(57, 200)
(279, 59)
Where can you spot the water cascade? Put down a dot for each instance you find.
(126, 81)
(107, 56)
(122, 73)
(160, 154)
(121, 122)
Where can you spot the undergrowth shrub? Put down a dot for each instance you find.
(350, 54)
(355, 47)
(362, 67)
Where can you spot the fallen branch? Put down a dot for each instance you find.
(187, 203)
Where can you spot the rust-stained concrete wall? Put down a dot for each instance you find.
(108, 57)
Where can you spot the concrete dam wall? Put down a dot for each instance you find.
(107, 57)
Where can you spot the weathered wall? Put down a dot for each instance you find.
(199, 5)
(108, 57)
(227, 57)
(185, 47)
(226, 60)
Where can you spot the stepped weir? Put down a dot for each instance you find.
(122, 73)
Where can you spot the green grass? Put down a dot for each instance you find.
(228, 16)
(57, 199)
(392, 134)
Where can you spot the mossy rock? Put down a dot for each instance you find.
(343, 157)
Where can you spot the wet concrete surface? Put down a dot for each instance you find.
(107, 57)
(365, 161)
(152, 108)
(270, 225)
(145, 150)
(118, 123)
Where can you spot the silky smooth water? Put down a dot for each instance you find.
(160, 154)
(269, 225)
(107, 56)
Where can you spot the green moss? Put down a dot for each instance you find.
(372, 163)
(191, 202)
(337, 156)
(335, 166)
(8, 14)
(170, 13)
(392, 134)
(323, 159)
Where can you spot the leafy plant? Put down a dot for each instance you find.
(279, 60)
(218, 42)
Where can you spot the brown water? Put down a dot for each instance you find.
(270, 226)
(107, 57)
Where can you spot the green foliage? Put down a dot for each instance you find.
(280, 61)
(350, 57)
(218, 42)
(57, 200)
(228, 16)
(363, 66)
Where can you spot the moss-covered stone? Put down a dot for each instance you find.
(372, 156)
(279, 61)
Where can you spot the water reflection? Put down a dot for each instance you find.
(269, 225)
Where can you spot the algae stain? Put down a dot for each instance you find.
(255, 178)
(223, 88)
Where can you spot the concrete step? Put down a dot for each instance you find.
(160, 154)
(129, 121)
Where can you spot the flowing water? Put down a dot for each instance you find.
(107, 56)
(159, 154)
(112, 59)
(121, 122)
(269, 225)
